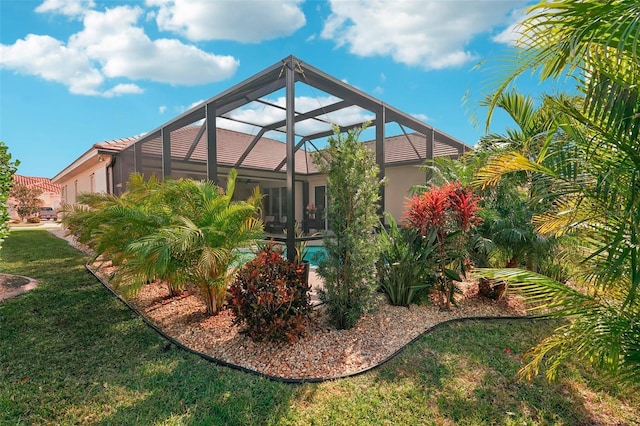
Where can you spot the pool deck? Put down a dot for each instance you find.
(316, 282)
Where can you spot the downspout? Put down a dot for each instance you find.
(108, 169)
(109, 174)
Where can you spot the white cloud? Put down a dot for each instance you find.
(124, 50)
(193, 104)
(162, 109)
(512, 32)
(262, 115)
(378, 90)
(51, 60)
(224, 123)
(111, 45)
(123, 89)
(226, 20)
(428, 34)
(422, 117)
(70, 8)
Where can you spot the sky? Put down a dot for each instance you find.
(77, 72)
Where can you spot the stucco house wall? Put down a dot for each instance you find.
(400, 180)
(88, 173)
(92, 179)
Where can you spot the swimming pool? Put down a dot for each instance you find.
(314, 254)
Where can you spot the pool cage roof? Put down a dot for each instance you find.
(259, 156)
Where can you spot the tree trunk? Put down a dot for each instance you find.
(491, 288)
(173, 290)
(210, 300)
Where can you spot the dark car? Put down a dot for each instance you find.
(48, 213)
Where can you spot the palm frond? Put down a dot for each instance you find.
(601, 331)
(506, 163)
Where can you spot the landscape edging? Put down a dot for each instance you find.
(302, 380)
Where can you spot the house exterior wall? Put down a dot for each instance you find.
(400, 179)
(399, 182)
(89, 174)
(91, 178)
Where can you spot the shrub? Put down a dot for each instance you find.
(353, 186)
(271, 297)
(450, 211)
(7, 169)
(33, 219)
(407, 265)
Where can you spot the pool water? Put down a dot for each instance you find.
(314, 254)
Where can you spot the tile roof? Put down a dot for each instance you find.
(41, 183)
(115, 145)
(268, 153)
(265, 155)
(411, 148)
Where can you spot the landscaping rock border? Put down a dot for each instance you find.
(266, 359)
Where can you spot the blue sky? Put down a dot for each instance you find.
(77, 72)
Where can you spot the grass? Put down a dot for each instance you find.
(70, 353)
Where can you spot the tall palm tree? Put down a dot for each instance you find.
(593, 178)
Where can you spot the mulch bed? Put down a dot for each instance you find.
(323, 352)
(13, 285)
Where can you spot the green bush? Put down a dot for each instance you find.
(353, 191)
(7, 169)
(271, 297)
(407, 267)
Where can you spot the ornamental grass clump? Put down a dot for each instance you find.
(270, 297)
(407, 265)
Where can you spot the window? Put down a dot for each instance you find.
(92, 179)
(276, 202)
(320, 201)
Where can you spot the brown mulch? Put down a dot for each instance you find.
(323, 352)
(14, 285)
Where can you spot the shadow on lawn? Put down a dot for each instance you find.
(470, 370)
(72, 353)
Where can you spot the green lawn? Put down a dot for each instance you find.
(70, 353)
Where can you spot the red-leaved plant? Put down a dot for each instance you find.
(452, 210)
(447, 208)
(270, 296)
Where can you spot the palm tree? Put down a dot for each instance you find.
(199, 245)
(108, 224)
(592, 171)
